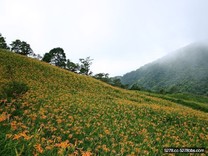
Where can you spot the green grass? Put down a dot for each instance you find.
(191, 97)
(197, 102)
(63, 113)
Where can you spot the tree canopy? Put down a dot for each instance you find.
(85, 66)
(56, 56)
(74, 67)
(47, 57)
(103, 77)
(3, 44)
(21, 47)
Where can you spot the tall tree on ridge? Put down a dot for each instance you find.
(85, 66)
(71, 66)
(21, 47)
(3, 44)
(47, 57)
(56, 56)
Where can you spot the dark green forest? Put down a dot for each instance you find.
(183, 71)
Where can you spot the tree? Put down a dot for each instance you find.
(85, 66)
(117, 82)
(56, 56)
(47, 57)
(16, 46)
(136, 86)
(3, 44)
(74, 67)
(103, 77)
(21, 47)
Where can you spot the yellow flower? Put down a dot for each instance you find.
(14, 125)
(137, 150)
(39, 148)
(48, 147)
(107, 132)
(3, 116)
(86, 153)
(158, 139)
(23, 134)
(8, 135)
(70, 136)
(16, 137)
(63, 144)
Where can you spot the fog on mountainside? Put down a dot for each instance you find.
(185, 70)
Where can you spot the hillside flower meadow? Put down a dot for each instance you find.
(63, 113)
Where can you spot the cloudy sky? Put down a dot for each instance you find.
(120, 35)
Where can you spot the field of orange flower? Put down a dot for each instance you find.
(63, 113)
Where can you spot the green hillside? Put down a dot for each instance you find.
(46, 110)
(185, 71)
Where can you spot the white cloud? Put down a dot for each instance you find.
(120, 35)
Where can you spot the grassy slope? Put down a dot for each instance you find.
(197, 102)
(65, 113)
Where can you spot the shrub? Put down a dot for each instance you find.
(14, 89)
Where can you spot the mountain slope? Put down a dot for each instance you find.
(64, 113)
(185, 70)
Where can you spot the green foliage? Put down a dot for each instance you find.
(21, 47)
(85, 66)
(56, 56)
(14, 89)
(136, 87)
(9, 72)
(185, 71)
(197, 102)
(103, 77)
(114, 81)
(190, 97)
(71, 66)
(117, 82)
(47, 57)
(3, 44)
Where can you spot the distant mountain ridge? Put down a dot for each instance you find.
(185, 70)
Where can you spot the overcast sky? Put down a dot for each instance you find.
(120, 35)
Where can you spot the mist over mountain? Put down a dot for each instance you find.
(185, 70)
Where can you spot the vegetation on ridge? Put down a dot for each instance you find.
(184, 71)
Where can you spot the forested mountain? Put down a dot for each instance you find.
(185, 70)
